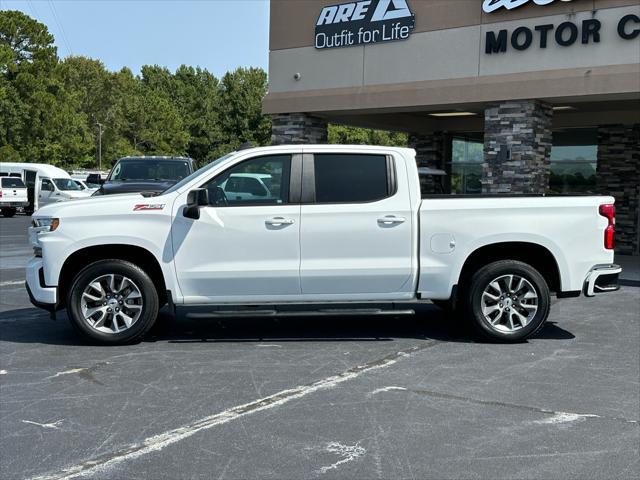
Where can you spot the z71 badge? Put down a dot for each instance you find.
(146, 207)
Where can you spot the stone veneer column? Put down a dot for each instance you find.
(619, 176)
(523, 128)
(430, 152)
(297, 128)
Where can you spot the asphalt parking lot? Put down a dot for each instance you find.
(407, 397)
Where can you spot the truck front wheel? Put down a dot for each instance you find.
(8, 212)
(507, 301)
(112, 302)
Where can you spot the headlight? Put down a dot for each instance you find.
(45, 224)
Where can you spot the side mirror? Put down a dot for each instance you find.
(196, 198)
(95, 178)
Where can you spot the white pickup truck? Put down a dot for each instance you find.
(13, 194)
(332, 229)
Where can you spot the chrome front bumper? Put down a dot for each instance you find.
(602, 279)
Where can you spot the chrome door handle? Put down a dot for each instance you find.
(391, 220)
(279, 221)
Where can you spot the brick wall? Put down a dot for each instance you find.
(517, 147)
(619, 176)
(430, 152)
(298, 128)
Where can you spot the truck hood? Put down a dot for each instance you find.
(131, 187)
(93, 206)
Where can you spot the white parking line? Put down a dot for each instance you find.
(163, 440)
(13, 282)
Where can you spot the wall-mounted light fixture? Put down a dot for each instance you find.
(453, 114)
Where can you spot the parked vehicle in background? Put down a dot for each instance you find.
(149, 175)
(13, 195)
(81, 177)
(341, 225)
(86, 187)
(45, 183)
(248, 186)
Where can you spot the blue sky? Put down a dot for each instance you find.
(218, 35)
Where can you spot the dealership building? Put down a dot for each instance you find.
(506, 96)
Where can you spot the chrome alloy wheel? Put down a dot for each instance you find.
(509, 303)
(111, 303)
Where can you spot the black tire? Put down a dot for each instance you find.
(147, 289)
(8, 212)
(473, 294)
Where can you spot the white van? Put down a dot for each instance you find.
(45, 183)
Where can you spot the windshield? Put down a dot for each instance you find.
(12, 183)
(149, 169)
(65, 184)
(197, 173)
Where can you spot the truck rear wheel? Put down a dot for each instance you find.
(507, 301)
(112, 302)
(8, 212)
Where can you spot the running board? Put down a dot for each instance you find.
(325, 312)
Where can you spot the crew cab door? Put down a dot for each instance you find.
(356, 232)
(246, 244)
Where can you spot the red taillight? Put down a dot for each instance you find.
(609, 212)
(0, 193)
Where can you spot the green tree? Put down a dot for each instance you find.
(152, 123)
(195, 94)
(45, 125)
(240, 109)
(342, 134)
(24, 42)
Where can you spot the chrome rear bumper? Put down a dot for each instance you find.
(602, 279)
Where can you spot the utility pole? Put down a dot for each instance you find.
(99, 125)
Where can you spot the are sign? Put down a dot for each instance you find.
(363, 22)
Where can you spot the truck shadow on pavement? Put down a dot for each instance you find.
(29, 325)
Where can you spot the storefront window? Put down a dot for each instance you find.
(574, 159)
(466, 165)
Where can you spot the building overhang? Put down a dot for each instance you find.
(617, 82)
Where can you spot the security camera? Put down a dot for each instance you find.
(297, 76)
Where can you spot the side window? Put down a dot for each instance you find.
(259, 181)
(346, 178)
(46, 185)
